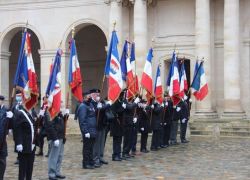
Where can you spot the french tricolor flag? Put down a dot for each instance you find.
(158, 86)
(146, 80)
(183, 80)
(199, 85)
(53, 91)
(26, 78)
(113, 70)
(74, 76)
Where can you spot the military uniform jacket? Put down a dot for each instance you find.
(143, 120)
(87, 119)
(55, 128)
(156, 117)
(168, 117)
(129, 113)
(24, 130)
(117, 125)
(184, 113)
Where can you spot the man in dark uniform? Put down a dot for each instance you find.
(168, 116)
(129, 121)
(157, 111)
(24, 133)
(117, 128)
(174, 125)
(100, 108)
(5, 118)
(87, 121)
(184, 117)
(144, 125)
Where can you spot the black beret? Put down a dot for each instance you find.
(18, 91)
(1, 97)
(86, 93)
(95, 91)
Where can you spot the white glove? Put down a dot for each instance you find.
(166, 103)
(190, 100)
(185, 97)
(183, 120)
(134, 120)
(66, 111)
(124, 105)
(87, 135)
(165, 124)
(162, 105)
(137, 100)
(109, 102)
(152, 106)
(9, 114)
(142, 129)
(41, 113)
(99, 105)
(19, 148)
(56, 143)
(178, 109)
(10, 132)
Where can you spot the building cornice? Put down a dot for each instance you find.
(47, 4)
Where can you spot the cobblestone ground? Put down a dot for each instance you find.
(202, 158)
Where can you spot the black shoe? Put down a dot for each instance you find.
(47, 155)
(103, 161)
(52, 178)
(116, 159)
(88, 167)
(144, 150)
(97, 165)
(184, 141)
(60, 176)
(164, 146)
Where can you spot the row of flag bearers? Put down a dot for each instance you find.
(124, 112)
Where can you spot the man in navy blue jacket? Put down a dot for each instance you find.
(87, 121)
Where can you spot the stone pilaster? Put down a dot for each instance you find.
(202, 49)
(4, 78)
(232, 103)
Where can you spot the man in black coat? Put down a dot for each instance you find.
(167, 116)
(184, 117)
(157, 112)
(129, 121)
(87, 121)
(24, 133)
(144, 125)
(5, 118)
(100, 108)
(117, 128)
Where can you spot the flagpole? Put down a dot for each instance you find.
(151, 115)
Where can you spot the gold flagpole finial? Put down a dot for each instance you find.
(114, 24)
(73, 32)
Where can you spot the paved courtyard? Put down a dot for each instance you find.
(202, 158)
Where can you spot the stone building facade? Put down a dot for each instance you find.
(218, 30)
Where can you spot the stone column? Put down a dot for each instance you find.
(4, 78)
(46, 58)
(115, 15)
(202, 49)
(232, 102)
(140, 34)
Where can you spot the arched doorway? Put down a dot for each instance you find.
(91, 45)
(11, 44)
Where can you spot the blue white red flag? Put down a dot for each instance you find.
(146, 80)
(199, 85)
(133, 66)
(53, 91)
(26, 78)
(74, 76)
(183, 80)
(158, 87)
(113, 70)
